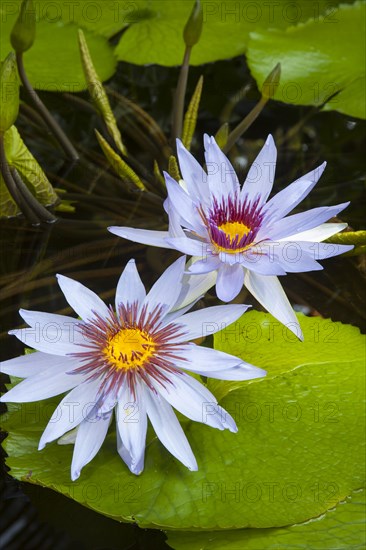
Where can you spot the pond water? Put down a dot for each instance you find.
(78, 244)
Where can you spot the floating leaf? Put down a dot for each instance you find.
(315, 62)
(53, 63)
(298, 451)
(339, 528)
(19, 157)
(158, 28)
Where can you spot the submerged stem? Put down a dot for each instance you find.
(44, 112)
(178, 109)
(244, 124)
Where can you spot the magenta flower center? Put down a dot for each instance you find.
(233, 223)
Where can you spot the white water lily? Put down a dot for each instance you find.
(131, 359)
(238, 235)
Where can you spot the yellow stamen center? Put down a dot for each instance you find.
(234, 230)
(130, 348)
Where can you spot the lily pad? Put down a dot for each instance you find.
(320, 58)
(157, 28)
(53, 63)
(19, 157)
(297, 452)
(339, 528)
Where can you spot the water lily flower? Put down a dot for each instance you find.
(238, 234)
(132, 360)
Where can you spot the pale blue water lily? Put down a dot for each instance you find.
(131, 360)
(239, 236)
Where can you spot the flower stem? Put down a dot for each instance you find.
(23, 198)
(244, 124)
(43, 214)
(46, 115)
(13, 188)
(178, 109)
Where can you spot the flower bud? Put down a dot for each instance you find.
(9, 93)
(24, 31)
(222, 134)
(271, 83)
(192, 30)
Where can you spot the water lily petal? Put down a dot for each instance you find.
(184, 205)
(55, 380)
(168, 429)
(203, 360)
(270, 294)
(45, 319)
(300, 222)
(34, 363)
(51, 338)
(289, 256)
(317, 234)
(130, 288)
(167, 288)
(195, 401)
(206, 265)
(286, 200)
(189, 246)
(193, 287)
(322, 251)
(142, 236)
(222, 178)
(90, 436)
(193, 175)
(131, 421)
(83, 300)
(230, 279)
(199, 324)
(238, 373)
(259, 180)
(73, 408)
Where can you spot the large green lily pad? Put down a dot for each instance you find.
(297, 453)
(340, 528)
(157, 28)
(318, 59)
(53, 63)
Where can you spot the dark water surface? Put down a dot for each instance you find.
(79, 246)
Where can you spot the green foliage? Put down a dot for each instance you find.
(53, 63)
(268, 33)
(297, 452)
(19, 157)
(323, 57)
(24, 31)
(339, 528)
(9, 93)
(98, 94)
(158, 28)
(357, 238)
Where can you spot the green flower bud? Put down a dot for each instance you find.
(9, 93)
(192, 30)
(271, 83)
(24, 31)
(222, 134)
